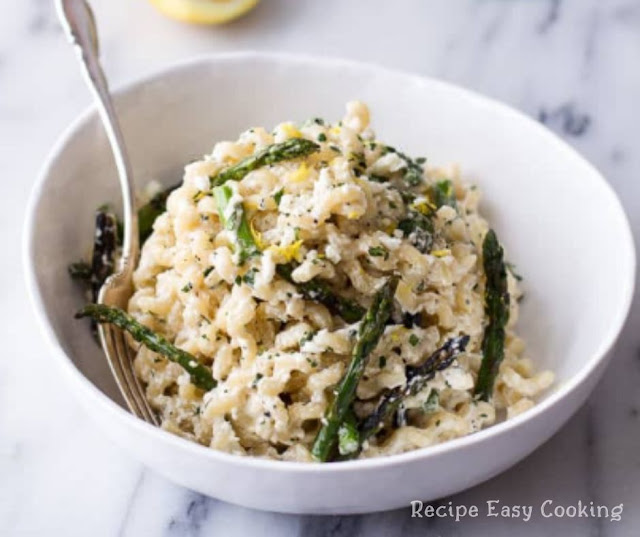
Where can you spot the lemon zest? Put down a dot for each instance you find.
(424, 207)
(289, 252)
(291, 131)
(399, 331)
(403, 293)
(390, 228)
(300, 174)
(441, 253)
(257, 236)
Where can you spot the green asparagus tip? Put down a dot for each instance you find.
(497, 301)
(272, 154)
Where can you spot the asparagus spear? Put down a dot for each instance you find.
(319, 291)
(148, 213)
(497, 311)
(105, 241)
(288, 150)
(81, 271)
(234, 219)
(417, 378)
(369, 334)
(200, 375)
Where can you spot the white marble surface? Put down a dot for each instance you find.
(574, 64)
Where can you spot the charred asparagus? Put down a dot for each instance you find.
(417, 378)
(105, 242)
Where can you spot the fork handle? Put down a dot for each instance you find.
(79, 25)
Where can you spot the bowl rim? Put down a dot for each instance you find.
(627, 262)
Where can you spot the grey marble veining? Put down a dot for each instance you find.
(572, 64)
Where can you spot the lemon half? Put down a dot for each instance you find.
(204, 11)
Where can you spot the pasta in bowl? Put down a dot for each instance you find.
(334, 297)
(540, 196)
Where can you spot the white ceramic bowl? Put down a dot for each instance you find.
(561, 223)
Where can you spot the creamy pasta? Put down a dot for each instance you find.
(276, 355)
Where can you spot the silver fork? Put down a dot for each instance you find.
(79, 25)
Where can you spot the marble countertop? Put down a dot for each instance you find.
(573, 64)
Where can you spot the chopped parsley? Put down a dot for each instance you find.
(250, 276)
(187, 287)
(278, 196)
(379, 251)
(414, 340)
(256, 379)
(443, 194)
(308, 336)
(322, 137)
(413, 172)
